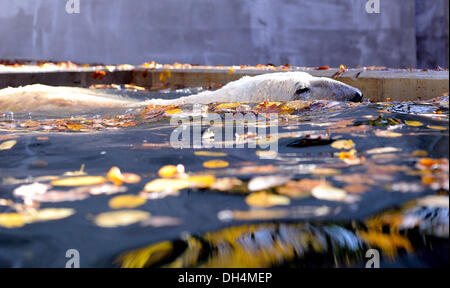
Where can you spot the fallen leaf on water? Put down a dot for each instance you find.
(12, 220)
(226, 184)
(76, 173)
(382, 150)
(118, 178)
(330, 193)
(120, 218)
(7, 145)
(106, 189)
(299, 189)
(126, 201)
(349, 157)
(343, 144)
(215, 164)
(48, 214)
(79, 181)
(161, 185)
(420, 153)
(356, 188)
(414, 123)
(227, 106)
(161, 221)
(266, 182)
(266, 154)
(434, 127)
(325, 172)
(30, 190)
(170, 171)
(387, 134)
(265, 199)
(210, 154)
(173, 111)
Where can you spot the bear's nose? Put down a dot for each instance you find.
(357, 96)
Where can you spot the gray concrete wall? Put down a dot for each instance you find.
(212, 32)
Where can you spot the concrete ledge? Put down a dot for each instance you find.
(398, 85)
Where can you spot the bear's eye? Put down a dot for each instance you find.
(301, 90)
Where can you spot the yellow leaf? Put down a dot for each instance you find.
(382, 150)
(48, 215)
(8, 145)
(173, 111)
(126, 201)
(343, 144)
(201, 181)
(227, 106)
(11, 220)
(79, 181)
(414, 123)
(120, 218)
(74, 127)
(231, 71)
(172, 185)
(437, 127)
(118, 178)
(168, 171)
(330, 193)
(264, 199)
(215, 164)
(387, 134)
(210, 154)
(267, 154)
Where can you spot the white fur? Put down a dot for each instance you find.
(266, 87)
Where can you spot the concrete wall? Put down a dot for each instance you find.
(299, 32)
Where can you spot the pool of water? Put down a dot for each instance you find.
(315, 184)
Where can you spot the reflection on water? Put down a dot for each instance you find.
(416, 227)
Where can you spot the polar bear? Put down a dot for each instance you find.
(281, 86)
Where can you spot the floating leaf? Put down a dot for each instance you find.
(210, 154)
(267, 154)
(227, 106)
(118, 178)
(76, 173)
(264, 199)
(31, 190)
(120, 218)
(226, 184)
(325, 172)
(383, 150)
(173, 111)
(434, 127)
(12, 220)
(168, 171)
(266, 182)
(161, 185)
(79, 181)
(161, 221)
(420, 153)
(126, 201)
(330, 193)
(7, 145)
(48, 214)
(215, 164)
(356, 188)
(299, 189)
(387, 134)
(414, 123)
(343, 144)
